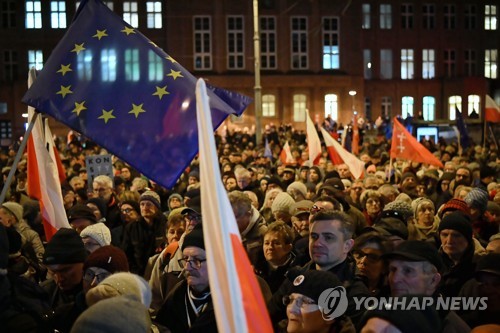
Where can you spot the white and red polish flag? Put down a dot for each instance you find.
(238, 302)
(339, 155)
(313, 143)
(44, 173)
(491, 111)
(286, 156)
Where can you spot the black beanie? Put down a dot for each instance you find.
(311, 283)
(109, 257)
(65, 247)
(194, 238)
(459, 222)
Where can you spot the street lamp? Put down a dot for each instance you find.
(352, 93)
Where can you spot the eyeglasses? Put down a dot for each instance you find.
(315, 209)
(372, 202)
(90, 275)
(301, 301)
(127, 210)
(195, 263)
(100, 190)
(370, 257)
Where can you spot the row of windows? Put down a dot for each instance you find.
(331, 106)
(428, 16)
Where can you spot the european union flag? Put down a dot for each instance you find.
(465, 141)
(112, 84)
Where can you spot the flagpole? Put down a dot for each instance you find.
(484, 134)
(17, 158)
(390, 170)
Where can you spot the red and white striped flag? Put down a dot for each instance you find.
(339, 155)
(286, 156)
(43, 174)
(238, 302)
(355, 135)
(491, 111)
(313, 143)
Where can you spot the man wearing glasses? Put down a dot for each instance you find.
(189, 305)
(103, 188)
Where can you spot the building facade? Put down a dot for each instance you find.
(377, 58)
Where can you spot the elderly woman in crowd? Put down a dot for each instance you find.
(372, 203)
(425, 224)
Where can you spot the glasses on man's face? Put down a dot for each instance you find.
(370, 257)
(195, 263)
(372, 202)
(100, 190)
(301, 301)
(127, 210)
(90, 275)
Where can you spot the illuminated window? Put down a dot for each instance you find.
(155, 71)
(299, 107)
(33, 14)
(407, 64)
(268, 41)
(202, 43)
(407, 107)
(491, 63)
(58, 14)
(428, 64)
(490, 17)
(235, 42)
(366, 12)
(35, 59)
(385, 16)
(454, 103)
(84, 65)
(130, 13)
(154, 19)
(332, 106)
(132, 68)
(473, 106)
(108, 65)
(268, 106)
(331, 53)
(429, 108)
(407, 16)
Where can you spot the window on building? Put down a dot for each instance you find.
(5, 129)
(385, 64)
(429, 16)
(454, 103)
(429, 108)
(366, 14)
(385, 16)
(491, 63)
(407, 64)
(108, 65)
(268, 106)
(268, 41)
(154, 15)
(84, 65)
(473, 106)
(300, 59)
(449, 17)
(331, 53)
(58, 14)
(450, 62)
(202, 42)
(35, 59)
(490, 17)
(407, 107)
(132, 65)
(386, 107)
(407, 16)
(470, 16)
(33, 14)
(299, 107)
(470, 63)
(8, 13)
(428, 64)
(367, 64)
(235, 42)
(331, 106)
(130, 14)
(155, 67)
(3, 107)
(10, 63)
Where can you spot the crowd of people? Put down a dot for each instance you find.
(134, 258)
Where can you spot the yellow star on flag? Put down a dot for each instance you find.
(79, 107)
(137, 109)
(128, 30)
(175, 74)
(171, 59)
(106, 115)
(78, 48)
(64, 91)
(153, 43)
(100, 33)
(64, 69)
(160, 91)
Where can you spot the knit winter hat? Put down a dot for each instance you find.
(175, 195)
(109, 257)
(81, 211)
(118, 314)
(194, 238)
(407, 175)
(134, 204)
(15, 209)
(118, 284)
(402, 207)
(457, 221)
(98, 232)
(477, 198)
(152, 197)
(403, 197)
(65, 247)
(311, 283)
(298, 186)
(418, 202)
(282, 203)
(453, 205)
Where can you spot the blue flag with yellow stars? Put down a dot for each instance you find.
(110, 83)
